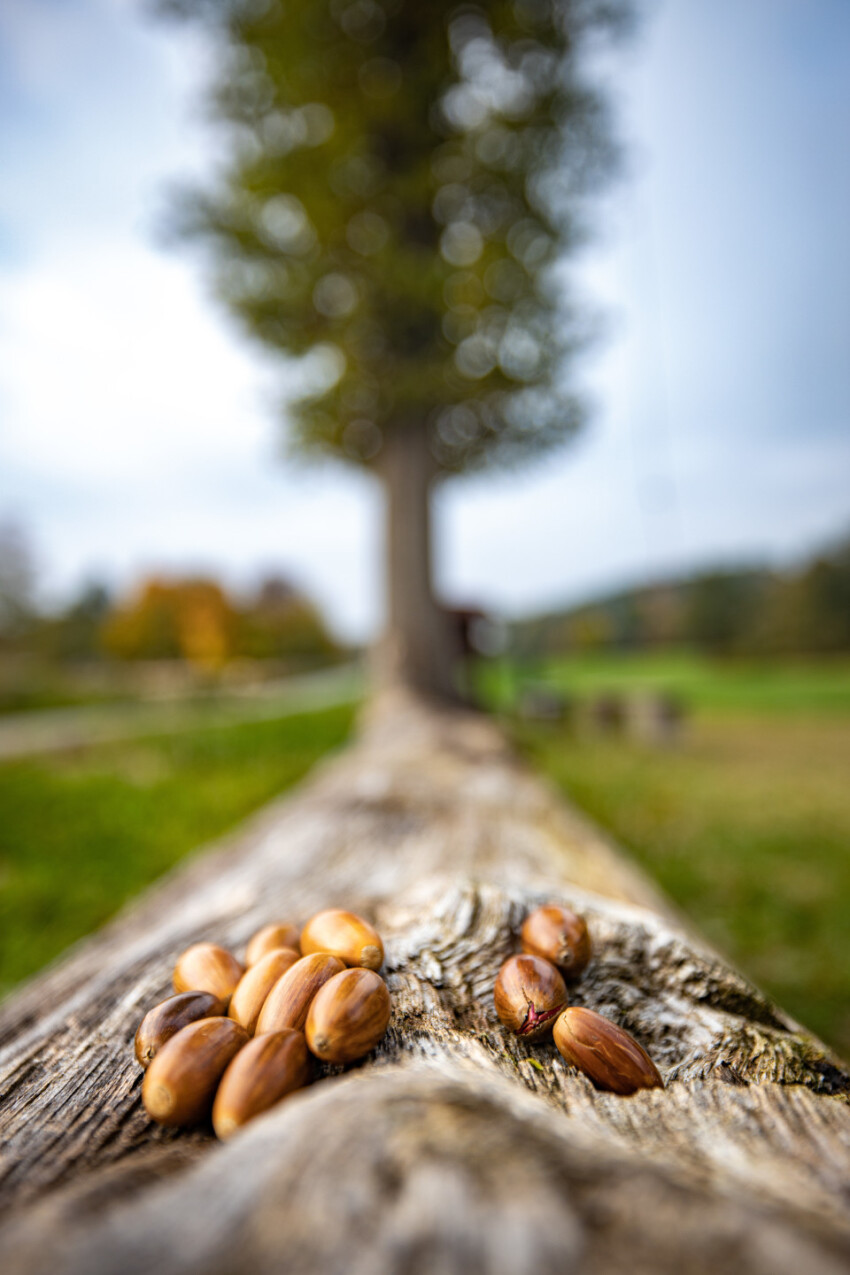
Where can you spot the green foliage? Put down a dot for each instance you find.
(401, 182)
(802, 610)
(82, 834)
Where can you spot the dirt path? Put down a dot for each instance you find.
(63, 729)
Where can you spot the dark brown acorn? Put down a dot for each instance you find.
(289, 1000)
(269, 938)
(180, 1084)
(559, 936)
(346, 936)
(206, 967)
(169, 1017)
(607, 1055)
(529, 995)
(256, 983)
(348, 1016)
(268, 1069)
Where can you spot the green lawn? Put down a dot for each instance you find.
(790, 686)
(81, 833)
(745, 823)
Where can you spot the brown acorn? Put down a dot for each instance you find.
(166, 1020)
(268, 938)
(180, 1084)
(346, 935)
(255, 985)
(261, 1074)
(559, 936)
(348, 1016)
(529, 995)
(606, 1054)
(205, 967)
(288, 1001)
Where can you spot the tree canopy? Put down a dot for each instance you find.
(401, 185)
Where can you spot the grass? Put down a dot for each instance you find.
(745, 823)
(81, 833)
(783, 687)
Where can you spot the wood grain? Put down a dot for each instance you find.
(456, 1146)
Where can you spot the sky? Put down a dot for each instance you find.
(139, 433)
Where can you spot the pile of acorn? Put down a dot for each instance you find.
(236, 1039)
(531, 999)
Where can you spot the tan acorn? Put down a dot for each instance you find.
(559, 936)
(255, 985)
(169, 1017)
(268, 938)
(345, 935)
(289, 1000)
(206, 967)
(607, 1055)
(261, 1074)
(529, 995)
(348, 1016)
(180, 1084)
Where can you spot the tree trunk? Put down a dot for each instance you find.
(417, 650)
(456, 1147)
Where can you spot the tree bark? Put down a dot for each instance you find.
(455, 1147)
(417, 650)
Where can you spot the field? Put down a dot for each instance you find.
(82, 832)
(745, 822)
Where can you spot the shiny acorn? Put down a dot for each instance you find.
(346, 936)
(268, 1069)
(206, 967)
(529, 995)
(289, 1000)
(169, 1017)
(269, 938)
(559, 936)
(255, 985)
(607, 1055)
(348, 1016)
(180, 1084)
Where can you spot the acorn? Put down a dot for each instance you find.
(529, 995)
(559, 936)
(205, 967)
(288, 1001)
(346, 935)
(166, 1020)
(607, 1055)
(261, 1074)
(180, 1084)
(268, 938)
(348, 1016)
(255, 985)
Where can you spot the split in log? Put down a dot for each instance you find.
(456, 1147)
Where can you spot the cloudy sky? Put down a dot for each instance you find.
(136, 431)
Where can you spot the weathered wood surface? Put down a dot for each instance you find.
(456, 1148)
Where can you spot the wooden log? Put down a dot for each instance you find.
(456, 1147)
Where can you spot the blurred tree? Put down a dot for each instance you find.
(17, 584)
(719, 608)
(280, 623)
(184, 619)
(196, 620)
(74, 634)
(401, 183)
